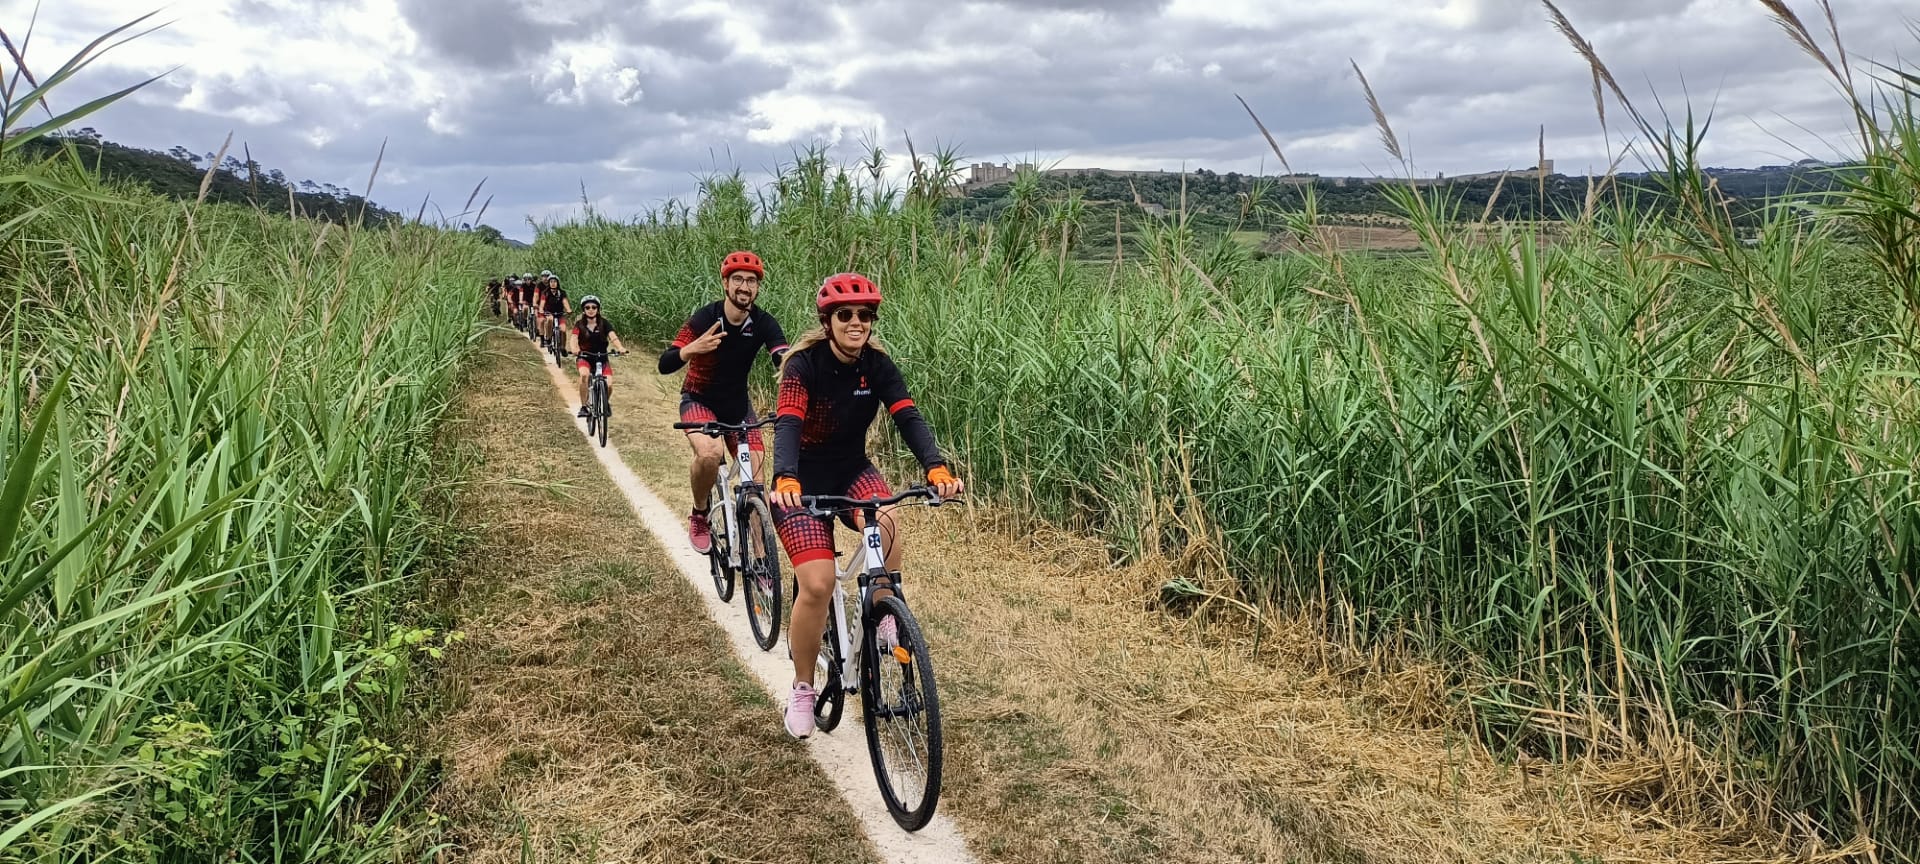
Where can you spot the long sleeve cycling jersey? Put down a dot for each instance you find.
(718, 379)
(820, 435)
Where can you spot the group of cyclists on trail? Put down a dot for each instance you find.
(544, 303)
(833, 382)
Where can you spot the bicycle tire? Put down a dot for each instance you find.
(762, 569)
(716, 551)
(919, 698)
(600, 407)
(831, 702)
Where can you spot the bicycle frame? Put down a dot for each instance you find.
(873, 556)
(743, 459)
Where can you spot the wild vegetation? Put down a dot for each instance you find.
(217, 498)
(1649, 489)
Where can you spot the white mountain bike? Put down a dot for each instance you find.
(898, 701)
(744, 541)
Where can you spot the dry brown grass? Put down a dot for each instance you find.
(597, 715)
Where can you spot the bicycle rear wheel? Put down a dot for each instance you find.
(760, 551)
(901, 708)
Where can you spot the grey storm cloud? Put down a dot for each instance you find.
(635, 100)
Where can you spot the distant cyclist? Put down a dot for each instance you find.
(718, 345)
(493, 295)
(529, 301)
(556, 307)
(590, 335)
(833, 383)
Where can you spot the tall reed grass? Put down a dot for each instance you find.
(1651, 491)
(217, 497)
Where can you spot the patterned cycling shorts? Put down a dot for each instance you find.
(692, 411)
(606, 368)
(810, 538)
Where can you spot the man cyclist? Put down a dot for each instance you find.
(555, 307)
(718, 345)
(590, 335)
(833, 383)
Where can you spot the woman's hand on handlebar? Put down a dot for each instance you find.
(944, 483)
(786, 492)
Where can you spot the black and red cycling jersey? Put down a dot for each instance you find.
(718, 379)
(820, 435)
(554, 300)
(593, 339)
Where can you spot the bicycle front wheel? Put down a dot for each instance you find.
(600, 408)
(720, 552)
(901, 708)
(760, 551)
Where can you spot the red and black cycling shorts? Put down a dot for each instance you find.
(810, 538)
(606, 367)
(691, 411)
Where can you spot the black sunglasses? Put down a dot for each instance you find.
(867, 316)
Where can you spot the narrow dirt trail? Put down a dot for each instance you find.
(843, 755)
(594, 714)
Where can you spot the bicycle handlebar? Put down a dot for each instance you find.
(716, 428)
(827, 505)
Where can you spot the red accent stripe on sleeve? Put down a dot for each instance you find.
(790, 411)
(777, 348)
(899, 406)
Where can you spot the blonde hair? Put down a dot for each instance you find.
(818, 335)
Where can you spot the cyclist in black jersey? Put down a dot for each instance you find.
(555, 308)
(718, 346)
(590, 334)
(832, 384)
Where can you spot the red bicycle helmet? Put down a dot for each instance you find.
(742, 261)
(843, 288)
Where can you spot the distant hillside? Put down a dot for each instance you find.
(177, 173)
(1214, 201)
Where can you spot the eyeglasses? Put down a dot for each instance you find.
(739, 279)
(867, 316)
(591, 306)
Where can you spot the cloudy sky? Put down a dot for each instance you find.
(632, 101)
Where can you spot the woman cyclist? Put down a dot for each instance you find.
(832, 384)
(590, 335)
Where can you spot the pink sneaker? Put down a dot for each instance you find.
(700, 533)
(887, 633)
(800, 710)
